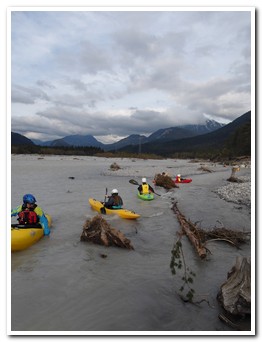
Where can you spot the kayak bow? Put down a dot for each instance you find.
(24, 236)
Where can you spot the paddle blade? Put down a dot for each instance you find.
(103, 210)
(132, 181)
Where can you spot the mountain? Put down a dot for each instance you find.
(59, 142)
(163, 134)
(82, 140)
(72, 140)
(209, 126)
(168, 134)
(164, 141)
(42, 143)
(185, 131)
(19, 139)
(133, 139)
(214, 140)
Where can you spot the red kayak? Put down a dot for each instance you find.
(184, 180)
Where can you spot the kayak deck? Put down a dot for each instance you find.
(124, 213)
(146, 197)
(186, 180)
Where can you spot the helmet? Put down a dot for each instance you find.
(143, 180)
(28, 198)
(114, 191)
(178, 175)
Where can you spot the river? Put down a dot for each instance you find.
(61, 284)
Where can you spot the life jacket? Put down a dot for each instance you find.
(117, 202)
(28, 217)
(145, 188)
(178, 179)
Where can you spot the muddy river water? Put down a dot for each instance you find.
(61, 284)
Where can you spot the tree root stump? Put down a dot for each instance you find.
(233, 177)
(235, 293)
(115, 167)
(98, 231)
(165, 181)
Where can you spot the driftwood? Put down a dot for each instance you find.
(204, 168)
(233, 177)
(191, 231)
(99, 231)
(236, 322)
(200, 237)
(165, 181)
(235, 293)
(233, 237)
(115, 167)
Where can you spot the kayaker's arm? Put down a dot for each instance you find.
(151, 189)
(109, 202)
(43, 220)
(16, 211)
(140, 188)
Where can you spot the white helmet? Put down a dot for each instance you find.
(143, 180)
(114, 191)
(178, 175)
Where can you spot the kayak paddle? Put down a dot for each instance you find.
(103, 209)
(132, 181)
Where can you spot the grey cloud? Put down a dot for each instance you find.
(196, 62)
(63, 121)
(45, 84)
(27, 95)
(21, 97)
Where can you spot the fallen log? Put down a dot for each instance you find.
(191, 231)
(98, 231)
(235, 293)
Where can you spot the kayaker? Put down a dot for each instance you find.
(30, 213)
(179, 178)
(145, 188)
(114, 201)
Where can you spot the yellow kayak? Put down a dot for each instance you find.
(124, 213)
(23, 237)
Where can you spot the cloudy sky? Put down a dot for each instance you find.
(112, 73)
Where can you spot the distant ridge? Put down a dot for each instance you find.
(163, 134)
(234, 137)
(19, 139)
(215, 139)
